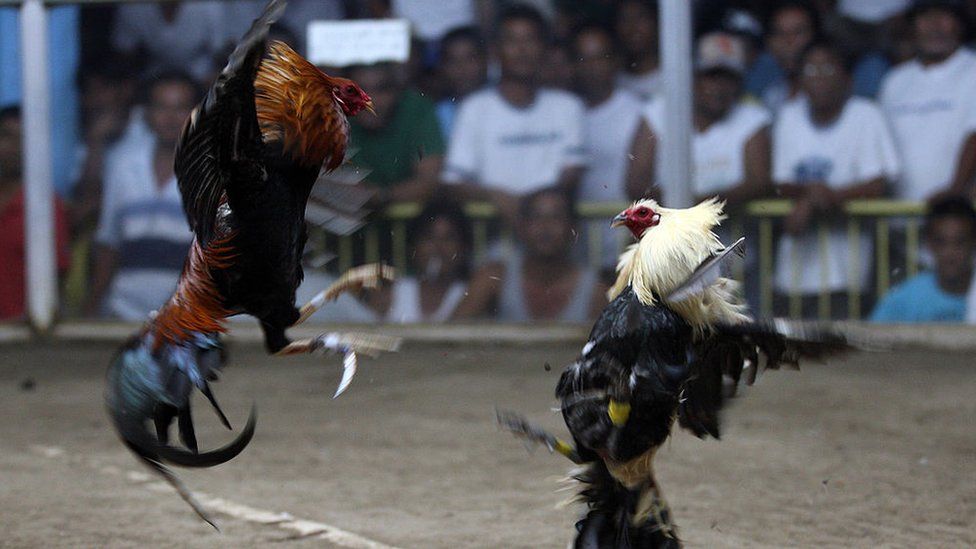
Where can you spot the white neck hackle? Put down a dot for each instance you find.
(668, 253)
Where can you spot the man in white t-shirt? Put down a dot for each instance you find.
(931, 104)
(613, 116)
(637, 29)
(731, 143)
(828, 148)
(514, 138)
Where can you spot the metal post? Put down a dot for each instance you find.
(675, 33)
(41, 273)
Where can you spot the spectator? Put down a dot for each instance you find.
(107, 96)
(63, 55)
(557, 71)
(744, 25)
(172, 35)
(541, 281)
(637, 30)
(828, 148)
(12, 247)
(464, 70)
(931, 104)
(611, 123)
(402, 144)
(938, 295)
(514, 138)
(864, 22)
(868, 29)
(774, 78)
(731, 143)
(441, 243)
(142, 234)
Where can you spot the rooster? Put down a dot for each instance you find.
(672, 344)
(270, 127)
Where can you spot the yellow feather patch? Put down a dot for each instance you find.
(618, 412)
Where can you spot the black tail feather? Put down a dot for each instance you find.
(187, 432)
(207, 392)
(162, 418)
(137, 438)
(180, 488)
(612, 521)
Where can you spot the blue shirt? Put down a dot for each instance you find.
(446, 109)
(920, 299)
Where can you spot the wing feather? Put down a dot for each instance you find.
(734, 351)
(221, 141)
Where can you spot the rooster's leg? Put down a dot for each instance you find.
(350, 345)
(364, 276)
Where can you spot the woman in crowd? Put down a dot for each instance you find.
(441, 247)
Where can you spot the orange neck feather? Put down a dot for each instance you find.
(196, 306)
(295, 107)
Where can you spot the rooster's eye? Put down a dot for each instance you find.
(642, 212)
(350, 89)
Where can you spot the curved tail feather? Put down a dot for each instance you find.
(135, 435)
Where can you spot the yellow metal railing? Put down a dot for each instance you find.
(861, 216)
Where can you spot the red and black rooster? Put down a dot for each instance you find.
(269, 128)
(670, 346)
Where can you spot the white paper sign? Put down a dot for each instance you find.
(362, 41)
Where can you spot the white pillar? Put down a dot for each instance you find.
(42, 287)
(676, 52)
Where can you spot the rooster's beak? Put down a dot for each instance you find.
(619, 220)
(369, 107)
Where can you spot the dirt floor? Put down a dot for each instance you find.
(875, 451)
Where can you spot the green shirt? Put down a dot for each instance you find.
(392, 153)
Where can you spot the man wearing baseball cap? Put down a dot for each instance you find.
(731, 140)
(930, 102)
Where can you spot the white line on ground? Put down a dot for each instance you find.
(302, 528)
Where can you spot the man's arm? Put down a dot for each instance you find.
(964, 179)
(814, 198)
(569, 179)
(483, 290)
(106, 259)
(756, 182)
(640, 170)
(419, 187)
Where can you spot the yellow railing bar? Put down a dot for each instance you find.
(823, 241)
(883, 260)
(774, 207)
(594, 252)
(372, 245)
(853, 267)
(796, 305)
(766, 266)
(911, 247)
(400, 245)
(345, 253)
(781, 207)
(479, 230)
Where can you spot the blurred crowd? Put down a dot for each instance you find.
(533, 106)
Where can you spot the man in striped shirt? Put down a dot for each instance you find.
(143, 235)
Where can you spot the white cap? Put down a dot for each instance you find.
(721, 50)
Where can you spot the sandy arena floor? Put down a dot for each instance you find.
(874, 451)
